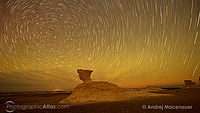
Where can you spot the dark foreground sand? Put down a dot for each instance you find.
(181, 97)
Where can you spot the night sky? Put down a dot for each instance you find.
(129, 42)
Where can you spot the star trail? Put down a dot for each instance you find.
(130, 42)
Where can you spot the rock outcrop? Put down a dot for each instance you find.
(190, 84)
(99, 91)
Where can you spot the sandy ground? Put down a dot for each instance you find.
(180, 97)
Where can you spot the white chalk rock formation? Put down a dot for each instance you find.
(98, 91)
(84, 75)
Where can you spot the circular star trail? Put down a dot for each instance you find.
(129, 42)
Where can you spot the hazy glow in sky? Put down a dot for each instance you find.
(129, 42)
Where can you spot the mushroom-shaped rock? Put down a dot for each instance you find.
(84, 75)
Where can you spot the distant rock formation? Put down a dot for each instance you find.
(99, 91)
(189, 83)
(199, 79)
